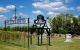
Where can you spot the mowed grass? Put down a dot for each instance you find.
(9, 46)
(57, 43)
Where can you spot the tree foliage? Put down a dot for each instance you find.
(65, 23)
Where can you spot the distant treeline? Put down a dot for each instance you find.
(16, 28)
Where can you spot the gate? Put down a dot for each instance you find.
(19, 35)
(22, 36)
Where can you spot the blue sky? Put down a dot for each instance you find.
(31, 8)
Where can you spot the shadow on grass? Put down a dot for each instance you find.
(10, 44)
(43, 45)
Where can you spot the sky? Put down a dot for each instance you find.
(32, 8)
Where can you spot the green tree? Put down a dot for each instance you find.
(62, 23)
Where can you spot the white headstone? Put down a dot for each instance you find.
(68, 38)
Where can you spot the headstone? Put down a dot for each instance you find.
(44, 36)
(68, 38)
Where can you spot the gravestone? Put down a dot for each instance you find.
(68, 38)
(44, 36)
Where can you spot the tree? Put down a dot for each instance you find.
(62, 23)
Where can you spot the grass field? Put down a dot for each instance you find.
(57, 43)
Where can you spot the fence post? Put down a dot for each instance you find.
(5, 25)
(28, 32)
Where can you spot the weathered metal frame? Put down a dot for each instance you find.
(7, 23)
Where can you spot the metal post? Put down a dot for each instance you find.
(5, 30)
(15, 13)
(47, 43)
(5, 26)
(49, 40)
(49, 37)
(41, 35)
(24, 39)
(31, 39)
(38, 36)
(28, 32)
(41, 39)
(38, 40)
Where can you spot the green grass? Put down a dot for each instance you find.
(10, 46)
(57, 43)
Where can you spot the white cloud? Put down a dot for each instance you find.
(62, 8)
(2, 17)
(47, 5)
(66, 1)
(51, 6)
(11, 7)
(56, 4)
(52, 14)
(7, 8)
(37, 12)
(2, 9)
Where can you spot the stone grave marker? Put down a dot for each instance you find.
(68, 38)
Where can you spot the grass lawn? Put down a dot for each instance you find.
(57, 43)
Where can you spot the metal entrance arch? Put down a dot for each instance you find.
(19, 21)
(40, 22)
